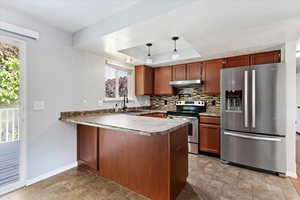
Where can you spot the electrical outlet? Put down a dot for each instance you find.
(38, 105)
(85, 102)
(100, 102)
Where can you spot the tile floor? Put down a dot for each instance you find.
(208, 180)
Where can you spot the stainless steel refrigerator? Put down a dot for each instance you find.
(253, 116)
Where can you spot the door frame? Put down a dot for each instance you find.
(21, 44)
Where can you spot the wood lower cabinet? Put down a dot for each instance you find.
(210, 135)
(159, 115)
(194, 71)
(154, 166)
(179, 72)
(87, 146)
(237, 61)
(144, 80)
(212, 70)
(265, 58)
(162, 78)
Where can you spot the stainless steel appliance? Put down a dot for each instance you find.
(253, 117)
(189, 110)
(186, 83)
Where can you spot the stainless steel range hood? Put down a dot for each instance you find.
(186, 83)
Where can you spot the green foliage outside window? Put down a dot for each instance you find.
(9, 74)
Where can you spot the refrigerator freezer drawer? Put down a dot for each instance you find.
(259, 151)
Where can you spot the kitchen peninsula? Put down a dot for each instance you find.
(145, 154)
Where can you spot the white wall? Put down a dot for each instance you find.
(298, 89)
(290, 90)
(62, 77)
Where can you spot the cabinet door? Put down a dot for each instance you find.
(179, 72)
(162, 78)
(210, 138)
(237, 61)
(265, 58)
(87, 139)
(212, 76)
(143, 80)
(194, 71)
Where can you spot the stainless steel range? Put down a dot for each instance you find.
(189, 110)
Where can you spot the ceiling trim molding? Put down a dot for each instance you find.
(11, 28)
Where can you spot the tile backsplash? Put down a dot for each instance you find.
(166, 102)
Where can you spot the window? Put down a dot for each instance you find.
(117, 83)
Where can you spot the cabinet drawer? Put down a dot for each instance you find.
(210, 120)
(259, 151)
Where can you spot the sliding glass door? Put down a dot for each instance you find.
(10, 123)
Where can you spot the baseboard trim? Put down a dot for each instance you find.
(291, 174)
(11, 187)
(51, 173)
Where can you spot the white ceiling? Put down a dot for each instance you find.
(161, 51)
(69, 15)
(213, 28)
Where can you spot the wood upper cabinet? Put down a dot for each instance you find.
(179, 72)
(211, 78)
(87, 138)
(237, 61)
(162, 78)
(144, 80)
(265, 58)
(194, 71)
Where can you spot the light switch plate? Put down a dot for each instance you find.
(38, 105)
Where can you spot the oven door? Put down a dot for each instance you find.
(194, 134)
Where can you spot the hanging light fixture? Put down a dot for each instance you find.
(149, 59)
(175, 54)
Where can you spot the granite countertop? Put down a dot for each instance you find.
(130, 122)
(144, 112)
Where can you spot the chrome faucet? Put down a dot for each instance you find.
(125, 100)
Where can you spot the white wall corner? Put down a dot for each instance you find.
(290, 92)
(51, 173)
(291, 174)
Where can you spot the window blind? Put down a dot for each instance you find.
(9, 162)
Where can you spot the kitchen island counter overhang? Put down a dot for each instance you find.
(145, 154)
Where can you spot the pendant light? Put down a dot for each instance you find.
(149, 59)
(175, 54)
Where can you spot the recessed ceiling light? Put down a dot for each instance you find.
(129, 60)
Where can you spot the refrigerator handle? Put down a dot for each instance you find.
(253, 137)
(253, 98)
(246, 99)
